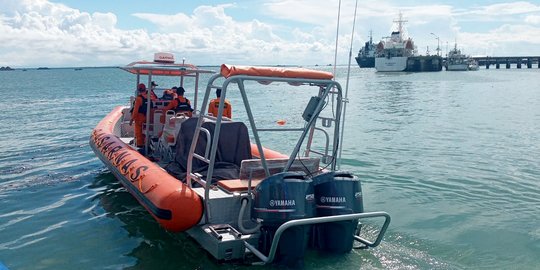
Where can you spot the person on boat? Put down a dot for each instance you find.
(138, 114)
(152, 88)
(169, 94)
(180, 104)
(214, 106)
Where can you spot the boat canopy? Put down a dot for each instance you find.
(162, 69)
(301, 73)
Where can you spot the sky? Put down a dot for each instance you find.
(66, 33)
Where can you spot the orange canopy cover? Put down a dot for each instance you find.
(228, 70)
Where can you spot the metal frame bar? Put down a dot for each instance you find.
(329, 86)
(327, 144)
(318, 220)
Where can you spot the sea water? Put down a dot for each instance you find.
(453, 157)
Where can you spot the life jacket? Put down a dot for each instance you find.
(216, 104)
(167, 95)
(183, 106)
(144, 106)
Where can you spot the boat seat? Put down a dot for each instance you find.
(233, 146)
(170, 132)
(127, 114)
(252, 168)
(237, 185)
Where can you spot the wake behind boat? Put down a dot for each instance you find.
(211, 176)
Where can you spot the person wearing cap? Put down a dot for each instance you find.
(152, 87)
(138, 114)
(214, 106)
(180, 104)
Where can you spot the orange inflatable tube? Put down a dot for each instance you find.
(228, 71)
(268, 153)
(173, 204)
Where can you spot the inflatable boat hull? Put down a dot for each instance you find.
(173, 204)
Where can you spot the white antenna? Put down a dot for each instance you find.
(337, 37)
(346, 100)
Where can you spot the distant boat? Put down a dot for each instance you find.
(398, 53)
(472, 64)
(392, 53)
(366, 55)
(456, 61)
(41, 68)
(78, 68)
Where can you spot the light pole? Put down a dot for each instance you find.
(438, 42)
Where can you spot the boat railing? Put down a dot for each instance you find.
(324, 155)
(318, 220)
(325, 87)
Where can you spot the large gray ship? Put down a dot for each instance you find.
(366, 55)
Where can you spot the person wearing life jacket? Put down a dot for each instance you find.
(138, 115)
(169, 94)
(214, 106)
(180, 104)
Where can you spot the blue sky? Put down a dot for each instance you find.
(115, 32)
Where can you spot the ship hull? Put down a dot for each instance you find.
(424, 63)
(457, 67)
(392, 64)
(365, 62)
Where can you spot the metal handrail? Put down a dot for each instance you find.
(318, 220)
(327, 145)
(326, 87)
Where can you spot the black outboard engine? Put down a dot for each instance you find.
(278, 199)
(337, 193)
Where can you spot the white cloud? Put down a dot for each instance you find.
(508, 9)
(532, 19)
(38, 32)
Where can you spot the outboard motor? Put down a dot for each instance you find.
(337, 193)
(278, 199)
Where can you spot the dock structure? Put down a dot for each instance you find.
(498, 61)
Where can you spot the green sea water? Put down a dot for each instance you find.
(453, 157)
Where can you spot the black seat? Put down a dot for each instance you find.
(233, 147)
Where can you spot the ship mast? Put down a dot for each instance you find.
(400, 22)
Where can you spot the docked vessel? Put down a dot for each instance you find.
(211, 176)
(456, 61)
(366, 55)
(392, 53)
(472, 64)
(397, 53)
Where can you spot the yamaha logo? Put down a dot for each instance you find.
(282, 203)
(333, 199)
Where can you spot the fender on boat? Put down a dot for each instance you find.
(268, 153)
(173, 204)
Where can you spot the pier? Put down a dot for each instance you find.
(506, 61)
